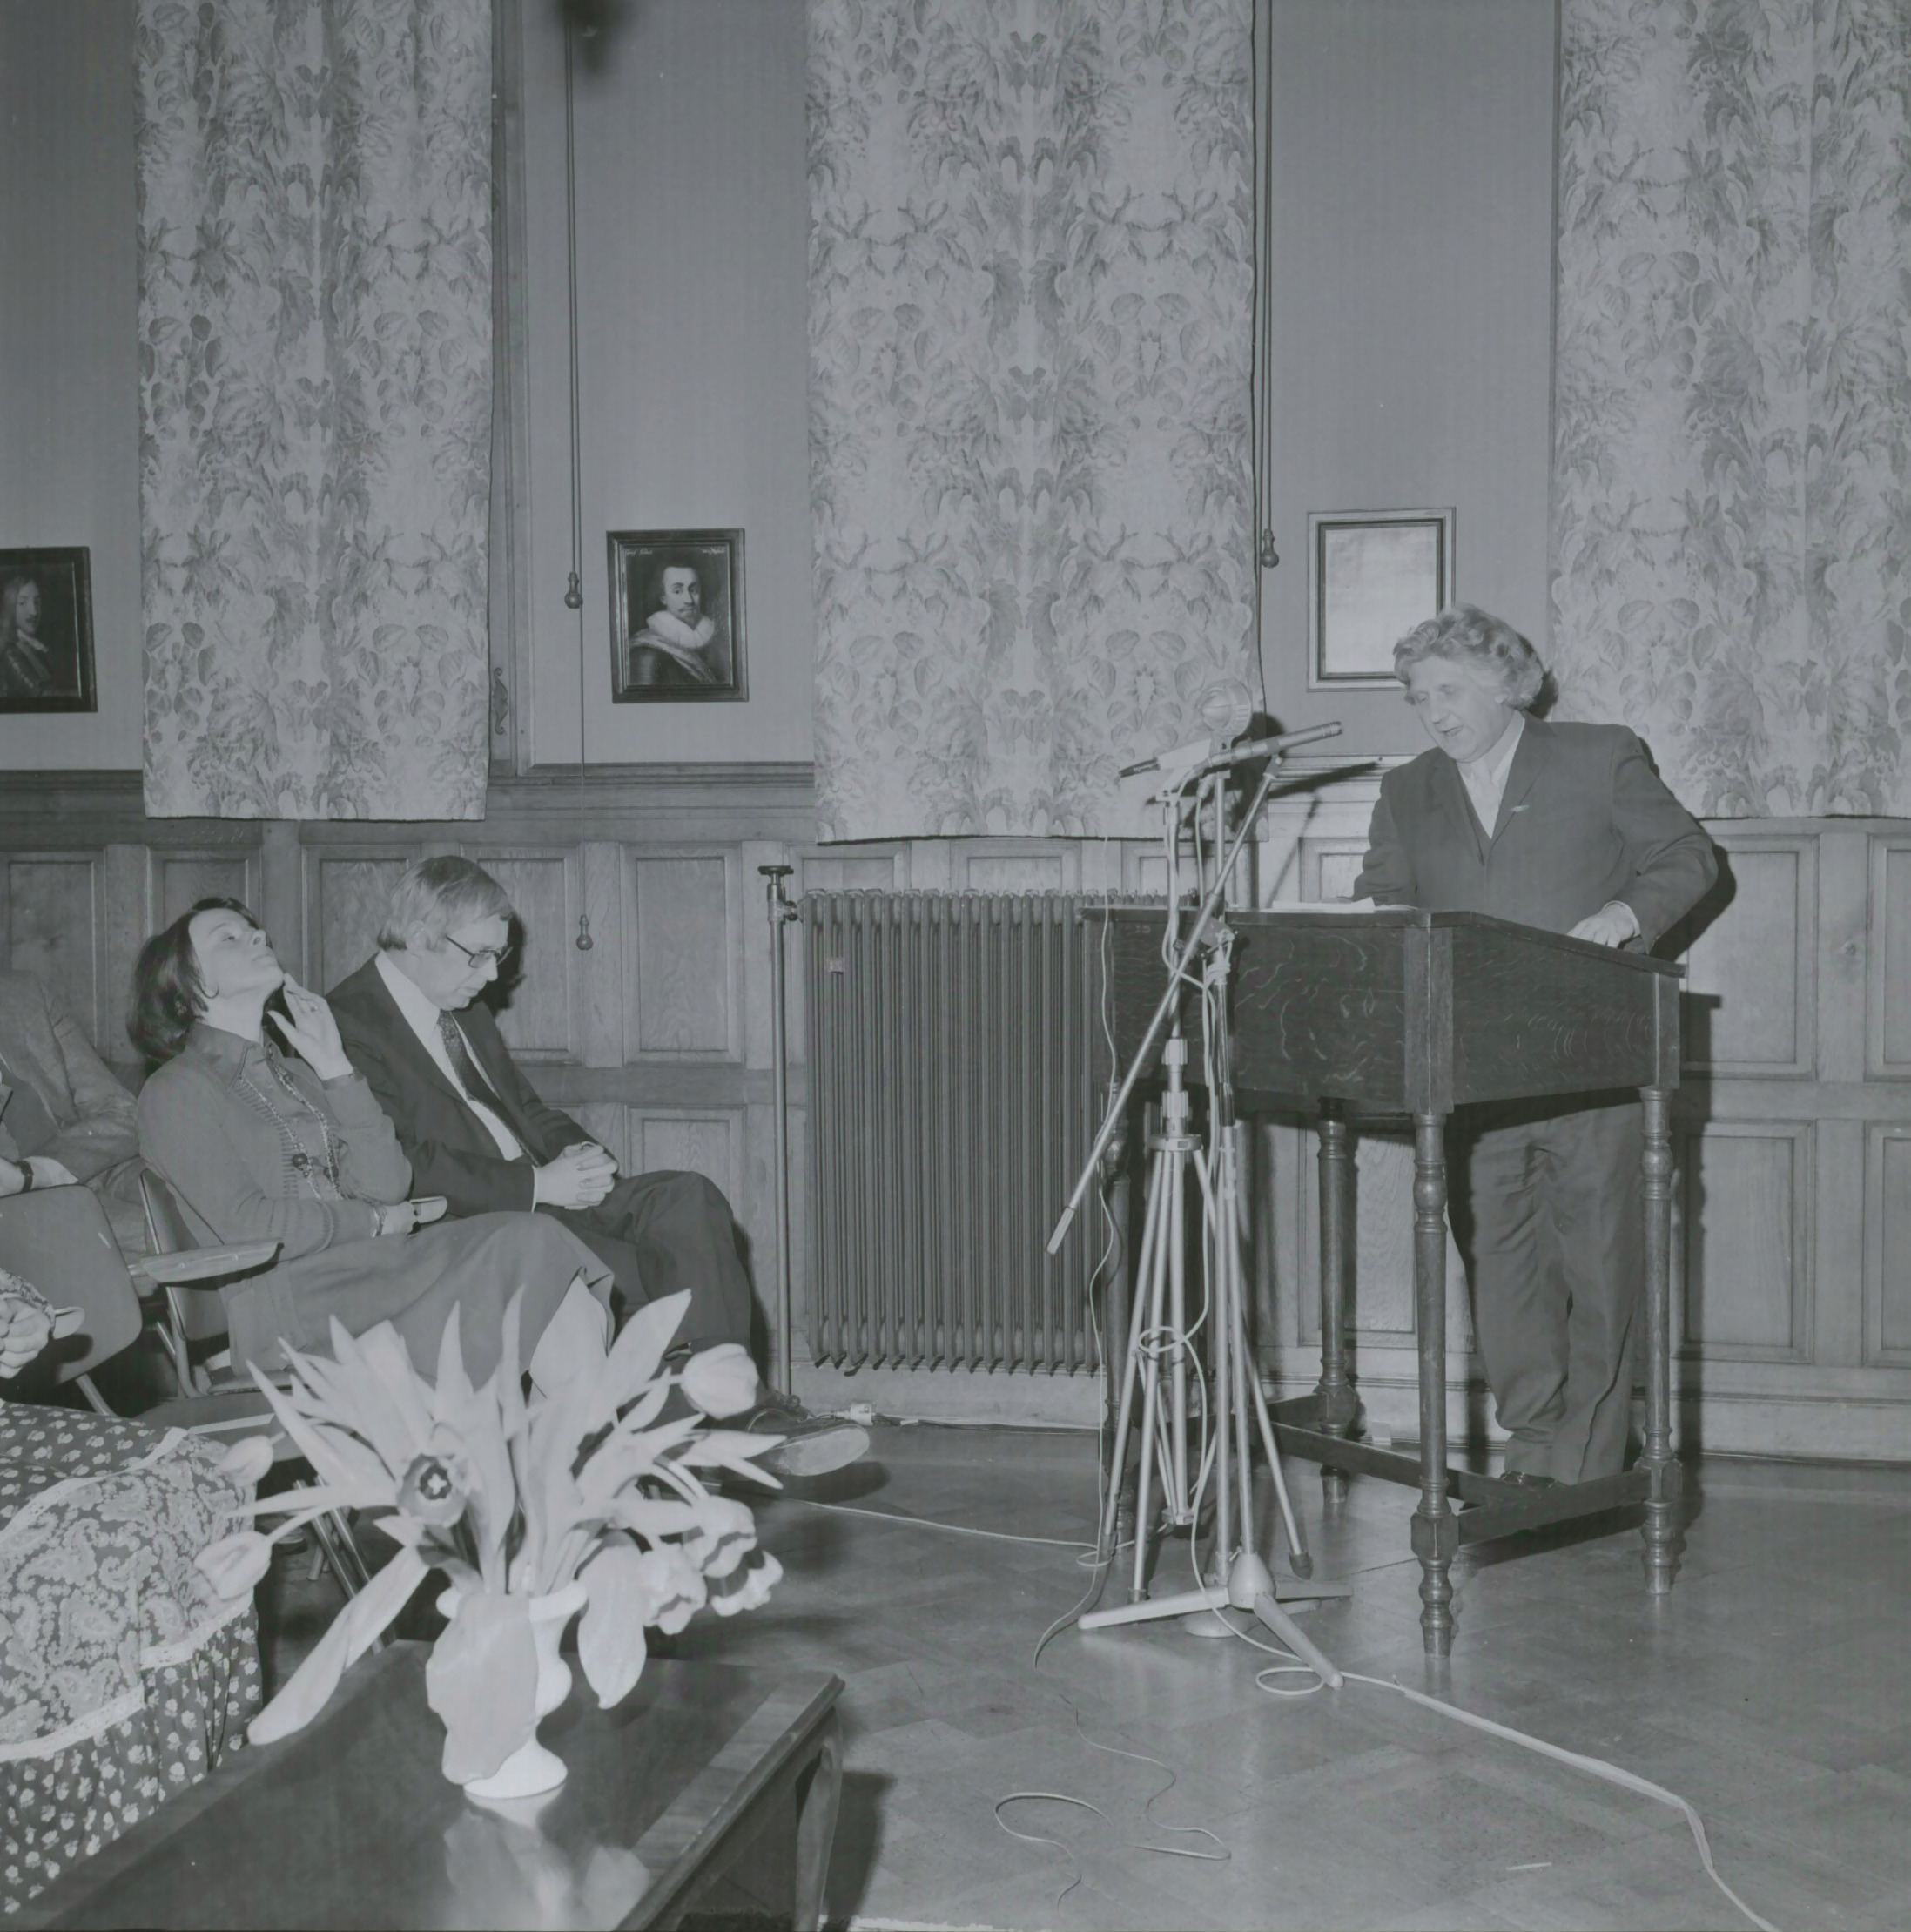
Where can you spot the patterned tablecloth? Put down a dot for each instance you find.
(123, 1677)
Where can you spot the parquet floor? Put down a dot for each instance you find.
(1770, 1690)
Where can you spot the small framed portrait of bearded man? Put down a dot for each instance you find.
(46, 631)
(677, 616)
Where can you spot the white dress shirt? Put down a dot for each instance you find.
(1485, 777)
(421, 1016)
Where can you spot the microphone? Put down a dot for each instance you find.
(1267, 748)
(1226, 708)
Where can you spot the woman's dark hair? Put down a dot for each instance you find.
(167, 993)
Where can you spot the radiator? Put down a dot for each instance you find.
(957, 1070)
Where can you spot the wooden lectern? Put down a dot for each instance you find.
(1397, 1012)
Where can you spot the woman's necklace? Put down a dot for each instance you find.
(308, 1166)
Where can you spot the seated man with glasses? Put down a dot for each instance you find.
(477, 1132)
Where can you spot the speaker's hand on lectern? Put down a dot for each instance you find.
(1613, 924)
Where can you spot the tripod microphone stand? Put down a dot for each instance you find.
(1162, 1372)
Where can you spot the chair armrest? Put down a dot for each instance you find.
(202, 1267)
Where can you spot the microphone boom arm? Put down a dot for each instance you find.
(1209, 906)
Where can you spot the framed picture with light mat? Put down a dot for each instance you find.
(1371, 576)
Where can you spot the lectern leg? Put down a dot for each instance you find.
(1435, 1529)
(1661, 1529)
(1336, 1409)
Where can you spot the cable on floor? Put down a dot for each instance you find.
(1221, 1855)
(1593, 1768)
(930, 1523)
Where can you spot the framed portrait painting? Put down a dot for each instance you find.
(677, 616)
(46, 631)
(1372, 575)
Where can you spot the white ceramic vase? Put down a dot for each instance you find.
(531, 1770)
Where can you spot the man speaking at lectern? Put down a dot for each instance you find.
(1568, 828)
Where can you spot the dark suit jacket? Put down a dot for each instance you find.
(1585, 820)
(451, 1152)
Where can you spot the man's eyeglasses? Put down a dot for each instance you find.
(486, 955)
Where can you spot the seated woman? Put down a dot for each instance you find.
(260, 1147)
(124, 1675)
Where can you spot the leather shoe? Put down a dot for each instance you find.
(811, 1445)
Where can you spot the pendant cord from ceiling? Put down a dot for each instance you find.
(1267, 557)
(574, 591)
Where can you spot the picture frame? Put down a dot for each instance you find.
(677, 616)
(1372, 575)
(46, 631)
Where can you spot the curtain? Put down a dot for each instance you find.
(1730, 543)
(1031, 296)
(315, 404)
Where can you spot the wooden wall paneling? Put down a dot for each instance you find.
(1011, 866)
(608, 1122)
(1144, 869)
(933, 865)
(860, 871)
(1887, 1003)
(347, 890)
(706, 1143)
(182, 877)
(1844, 893)
(278, 896)
(54, 928)
(127, 899)
(1841, 1195)
(1743, 1250)
(537, 1009)
(1751, 1001)
(600, 972)
(1329, 867)
(1888, 1244)
(682, 918)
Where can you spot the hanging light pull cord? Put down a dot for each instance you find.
(573, 588)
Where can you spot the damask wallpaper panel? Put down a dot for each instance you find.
(1031, 308)
(315, 405)
(1731, 554)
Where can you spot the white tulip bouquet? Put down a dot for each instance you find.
(514, 1500)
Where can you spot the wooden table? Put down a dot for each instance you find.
(1400, 1012)
(708, 1795)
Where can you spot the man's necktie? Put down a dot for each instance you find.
(476, 1086)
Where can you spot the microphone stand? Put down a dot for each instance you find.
(1170, 1000)
(1233, 1406)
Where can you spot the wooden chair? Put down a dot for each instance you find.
(57, 1239)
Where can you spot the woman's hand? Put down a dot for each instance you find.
(399, 1217)
(311, 1033)
(25, 1328)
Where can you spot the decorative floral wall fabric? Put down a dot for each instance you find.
(1031, 291)
(315, 403)
(1732, 545)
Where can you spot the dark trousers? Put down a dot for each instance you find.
(659, 1233)
(1547, 1212)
